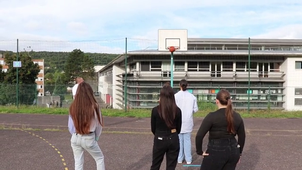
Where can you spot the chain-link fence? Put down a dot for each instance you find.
(52, 83)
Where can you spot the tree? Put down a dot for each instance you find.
(50, 80)
(78, 64)
(49, 83)
(60, 89)
(27, 75)
(7, 94)
(2, 74)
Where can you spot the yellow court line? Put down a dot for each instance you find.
(40, 137)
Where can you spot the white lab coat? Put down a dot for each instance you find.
(187, 102)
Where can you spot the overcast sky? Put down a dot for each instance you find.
(110, 20)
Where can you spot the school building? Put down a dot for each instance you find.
(259, 73)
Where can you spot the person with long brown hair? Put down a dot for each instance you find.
(165, 125)
(223, 150)
(85, 124)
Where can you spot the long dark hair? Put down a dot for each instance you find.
(224, 98)
(167, 107)
(83, 107)
(183, 84)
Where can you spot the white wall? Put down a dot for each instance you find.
(105, 84)
(102, 87)
(293, 79)
(115, 85)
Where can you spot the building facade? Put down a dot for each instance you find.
(260, 73)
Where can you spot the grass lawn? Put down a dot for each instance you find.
(146, 112)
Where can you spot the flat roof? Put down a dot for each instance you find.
(218, 52)
(221, 41)
(239, 41)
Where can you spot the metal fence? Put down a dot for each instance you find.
(55, 54)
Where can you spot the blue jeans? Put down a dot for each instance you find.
(185, 147)
(223, 155)
(79, 143)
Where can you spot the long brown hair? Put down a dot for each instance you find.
(167, 107)
(224, 98)
(83, 107)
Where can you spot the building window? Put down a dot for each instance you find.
(253, 66)
(298, 101)
(273, 67)
(204, 66)
(145, 66)
(133, 67)
(298, 64)
(240, 66)
(192, 66)
(298, 91)
(227, 66)
(179, 66)
(155, 66)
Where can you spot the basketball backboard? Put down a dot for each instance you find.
(176, 38)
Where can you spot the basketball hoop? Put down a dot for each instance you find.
(172, 48)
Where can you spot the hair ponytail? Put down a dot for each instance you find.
(229, 116)
(183, 84)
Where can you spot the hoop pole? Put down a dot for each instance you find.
(171, 77)
(249, 75)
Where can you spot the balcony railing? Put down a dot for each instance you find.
(207, 75)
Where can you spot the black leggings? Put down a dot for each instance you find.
(223, 155)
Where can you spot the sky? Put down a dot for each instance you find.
(105, 24)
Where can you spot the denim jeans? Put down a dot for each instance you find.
(79, 143)
(185, 147)
(223, 155)
(165, 144)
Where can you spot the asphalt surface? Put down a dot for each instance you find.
(42, 142)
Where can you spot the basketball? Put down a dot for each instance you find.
(172, 49)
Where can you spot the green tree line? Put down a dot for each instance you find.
(55, 61)
(60, 69)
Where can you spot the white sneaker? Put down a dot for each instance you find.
(189, 162)
(180, 162)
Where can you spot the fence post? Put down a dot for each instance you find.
(125, 81)
(17, 75)
(249, 75)
(269, 99)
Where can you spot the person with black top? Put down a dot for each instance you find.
(165, 125)
(223, 150)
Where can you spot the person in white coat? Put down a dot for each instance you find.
(75, 87)
(187, 102)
